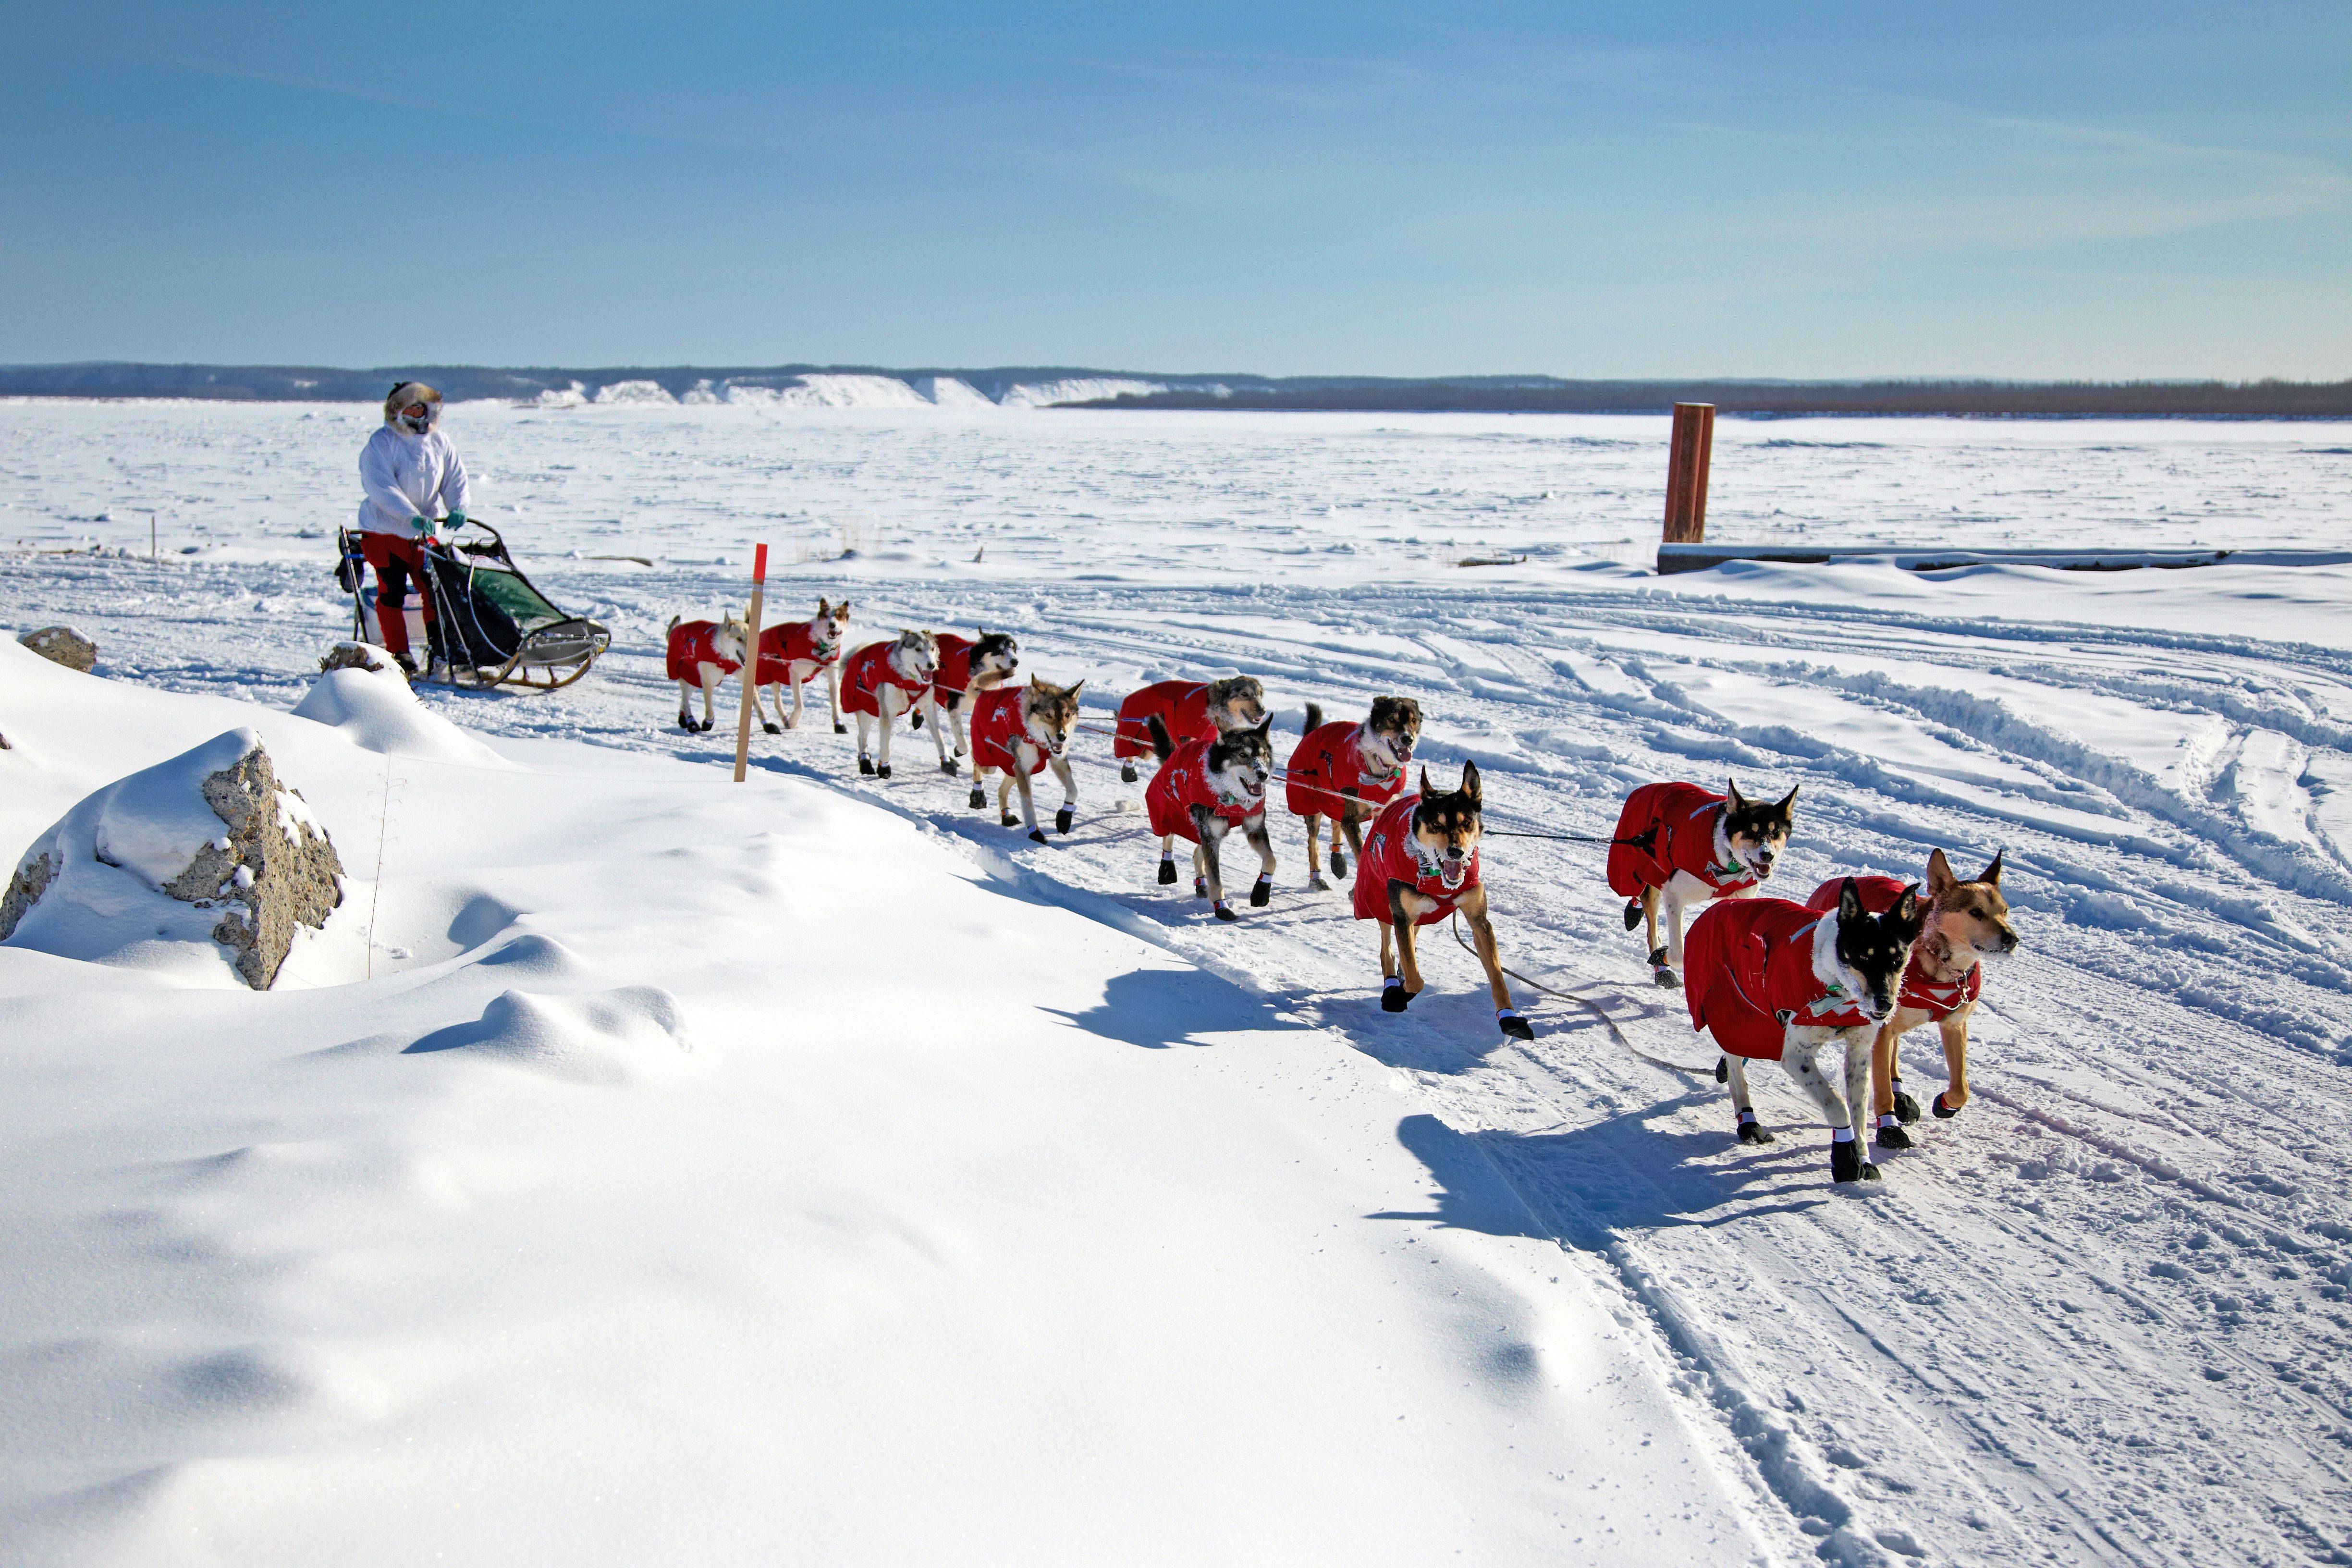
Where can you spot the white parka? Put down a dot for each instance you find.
(406, 475)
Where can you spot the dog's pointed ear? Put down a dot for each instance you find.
(1789, 800)
(1073, 689)
(1732, 797)
(1470, 780)
(1992, 873)
(1266, 726)
(1909, 913)
(843, 606)
(1427, 789)
(1940, 879)
(822, 609)
(1849, 902)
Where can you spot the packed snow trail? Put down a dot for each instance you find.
(2100, 1317)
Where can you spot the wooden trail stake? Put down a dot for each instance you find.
(749, 674)
(1689, 453)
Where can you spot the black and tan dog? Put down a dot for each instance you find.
(1349, 773)
(1419, 864)
(1203, 790)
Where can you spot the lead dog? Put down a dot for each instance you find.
(703, 653)
(1774, 981)
(1203, 790)
(1420, 864)
(1020, 732)
(1190, 709)
(966, 665)
(791, 654)
(1966, 922)
(1678, 845)
(1348, 773)
(884, 679)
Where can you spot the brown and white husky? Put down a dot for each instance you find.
(1968, 923)
(793, 652)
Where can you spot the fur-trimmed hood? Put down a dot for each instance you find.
(409, 392)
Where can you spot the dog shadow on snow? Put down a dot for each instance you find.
(1157, 1008)
(1614, 1177)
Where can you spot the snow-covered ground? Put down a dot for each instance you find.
(925, 1251)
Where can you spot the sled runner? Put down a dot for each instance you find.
(490, 625)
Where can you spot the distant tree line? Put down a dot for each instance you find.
(2259, 399)
(1475, 394)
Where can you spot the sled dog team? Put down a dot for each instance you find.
(1862, 962)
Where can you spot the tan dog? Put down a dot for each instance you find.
(1420, 864)
(1020, 731)
(1968, 923)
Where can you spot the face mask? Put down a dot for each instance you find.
(416, 423)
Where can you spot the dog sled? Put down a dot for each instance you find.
(491, 625)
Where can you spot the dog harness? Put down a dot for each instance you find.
(1748, 977)
(1670, 827)
(1330, 763)
(1390, 857)
(1940, 999)
(793, 643)
(867, 671)
(996, 725)
(1181, 705)
(1181, 783)
(693, 643)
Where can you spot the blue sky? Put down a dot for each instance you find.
(2041, 190)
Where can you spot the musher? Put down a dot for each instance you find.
(414, 482)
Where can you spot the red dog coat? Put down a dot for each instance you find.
(1674, 827)
(954, 672)
(783, 647)
(1750, 975)
(1181, 783)
(1181, 705)
(1937, 998)
(996, 724)
(1388, 856)
(867, 671)
(692, 643)
(1328, 763)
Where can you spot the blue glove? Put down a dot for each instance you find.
(456, 520)
(420, 525)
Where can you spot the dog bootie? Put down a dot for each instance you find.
(1338, 863)
(1393, 996)
(1225, 912)
(1036, 836)
(772, 729)
(841, 728)
(1662, 973)
(1945, 1113)
(686, 722)
(1890, 1134)
(704, 726)
(1845, 1157)
(864, 764)
(1752, 1131)
(1508, 1020)
(1200, 886)
(882, 771)
(979, 797)
(1723, 1069)
(1316, 884)
(1906, 1109)
(1167, 872)
(915, 719)
(1261, 892)
(1065, 819)
(1127, 773)
(950, 765)
(1006, 819)
(1632, 913)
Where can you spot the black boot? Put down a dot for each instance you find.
(1890, 1135)
(1513, 1025)
(1752, 1131)
(1261, 892)
(1339, 862)
(1945, 1113)
(1065, 819)
(948, 766)
(1632, 913)
(1167, 872)
(864, 764)
(979, 797)
(882, 771)
(1906, 1109)
(1127, 773)
(1395, 997)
